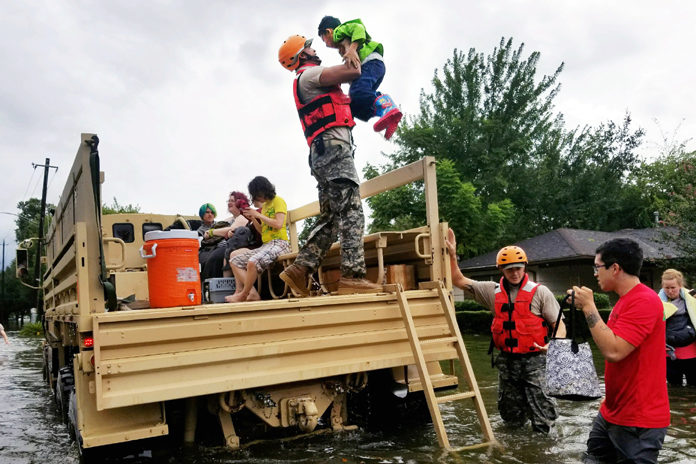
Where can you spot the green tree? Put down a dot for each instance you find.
(582, 180)
(478, 226)
(28, 227)
(669, 183)
(27, 221)
(116, 208)
(492, 117)
(486, 114)
(18, 298)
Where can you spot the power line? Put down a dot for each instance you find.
(29, 183)
(36, 185)
(53, 177)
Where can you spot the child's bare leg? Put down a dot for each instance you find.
(248, 277)
(240, 278)
(230, 273)
(251, 275)
(227, 272)
(253, 295)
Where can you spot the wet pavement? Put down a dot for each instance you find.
(31, 430)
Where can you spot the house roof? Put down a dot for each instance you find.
(571, 244)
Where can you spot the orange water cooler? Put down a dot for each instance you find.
(173, 277)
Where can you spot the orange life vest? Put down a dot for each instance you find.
(515, 328)
(331, 109)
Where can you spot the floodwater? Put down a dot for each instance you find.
(31, 431)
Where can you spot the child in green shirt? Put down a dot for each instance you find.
(359, 50)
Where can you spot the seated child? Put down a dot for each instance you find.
(270, 222)
(359, 50)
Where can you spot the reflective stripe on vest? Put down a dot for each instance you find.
(515, 329)
(331, 109)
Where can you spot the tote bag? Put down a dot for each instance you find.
(570, 370)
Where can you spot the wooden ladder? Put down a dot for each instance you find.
(454, 337)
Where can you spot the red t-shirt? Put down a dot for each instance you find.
(636, 389)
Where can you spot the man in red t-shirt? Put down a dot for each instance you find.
(634, 416)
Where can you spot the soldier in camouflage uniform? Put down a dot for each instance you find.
(517, 302)
(327, 122)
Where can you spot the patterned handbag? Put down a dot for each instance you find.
(570, 370)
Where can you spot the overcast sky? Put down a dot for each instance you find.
(189, 100)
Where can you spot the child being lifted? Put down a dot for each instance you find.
(359, 50)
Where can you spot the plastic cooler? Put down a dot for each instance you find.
(173, 277)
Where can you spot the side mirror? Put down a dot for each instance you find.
(22, 263)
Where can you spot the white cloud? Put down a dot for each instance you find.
(190, 103)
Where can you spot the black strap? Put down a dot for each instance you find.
(570, 297)
(312, 128)
(570, 327)
(109, 290)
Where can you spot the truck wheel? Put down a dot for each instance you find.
(64, 385)
(45, 366)
(87, 455)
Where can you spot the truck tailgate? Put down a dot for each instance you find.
(161, 354)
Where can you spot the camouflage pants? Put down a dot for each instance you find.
(341, 210)
(521, 395)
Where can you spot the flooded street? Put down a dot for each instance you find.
(32, 431)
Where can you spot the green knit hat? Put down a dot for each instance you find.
(204, 207)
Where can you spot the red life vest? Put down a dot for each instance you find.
(515, 328)
(331, 109)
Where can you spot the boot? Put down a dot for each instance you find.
(348, 285)
(389, 115)
(295, 276)
(391, 128)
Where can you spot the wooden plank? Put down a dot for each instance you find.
(467, 368)
(183, 353)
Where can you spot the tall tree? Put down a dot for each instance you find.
(669, 182)
(28, 226)
(117, 207)
(486, 114)
(494, 119)
(479, 226)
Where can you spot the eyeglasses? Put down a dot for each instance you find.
(597, 267)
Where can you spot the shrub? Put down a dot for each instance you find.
(31, 329)
(601, 300)
(468, 305)
(474, 322)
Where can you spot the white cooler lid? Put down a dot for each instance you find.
(165, 234)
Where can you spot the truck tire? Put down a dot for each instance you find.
(65, 383)
(45, 364)
(87, 455)
(376, 406)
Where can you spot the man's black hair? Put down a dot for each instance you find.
(328, 22)
(260, 186)
(623, 251)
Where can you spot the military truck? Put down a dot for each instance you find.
(121, 371)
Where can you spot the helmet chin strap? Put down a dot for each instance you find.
(507, 284)
(313, 59)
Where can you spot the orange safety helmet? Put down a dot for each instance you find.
(510, 255)
(291, 49)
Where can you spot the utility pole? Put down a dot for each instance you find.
(37, 267)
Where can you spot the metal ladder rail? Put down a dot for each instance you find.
(432, 400)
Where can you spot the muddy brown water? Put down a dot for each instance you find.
(32, 432)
